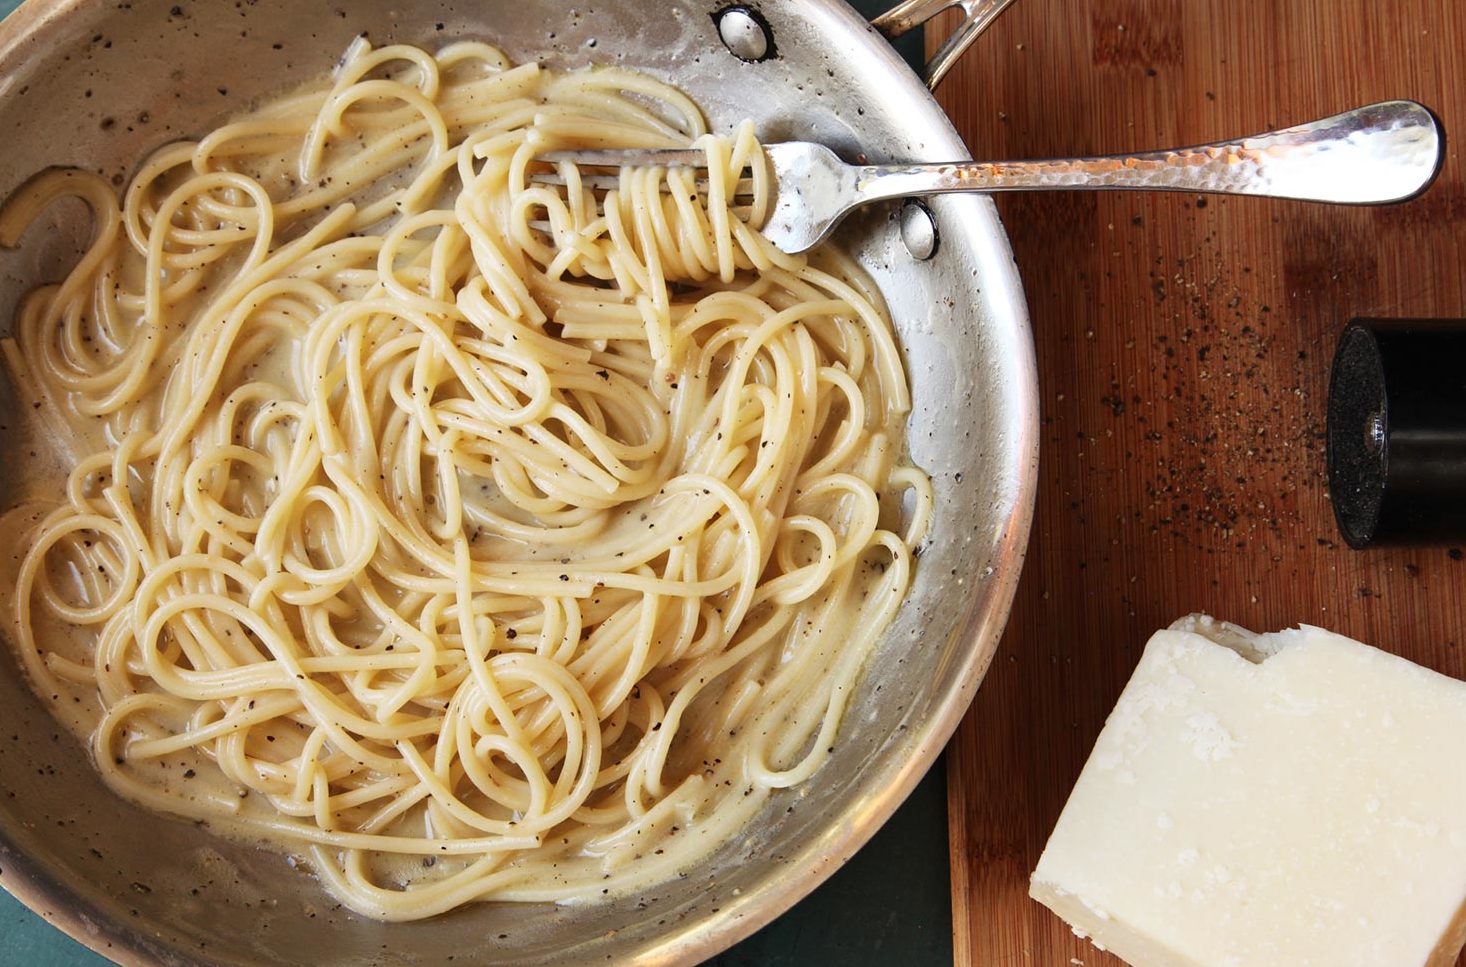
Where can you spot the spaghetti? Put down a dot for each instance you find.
(462, 557)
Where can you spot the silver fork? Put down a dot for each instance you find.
(1380, 153)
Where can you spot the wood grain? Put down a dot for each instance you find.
(1183, 351)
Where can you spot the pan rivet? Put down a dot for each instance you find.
(918, 230)
(744, 33)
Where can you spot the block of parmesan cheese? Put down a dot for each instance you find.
(1295, 799)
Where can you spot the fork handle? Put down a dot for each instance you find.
(1380, 153)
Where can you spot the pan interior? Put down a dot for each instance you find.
(99, 85)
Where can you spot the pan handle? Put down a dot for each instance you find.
(977, 16)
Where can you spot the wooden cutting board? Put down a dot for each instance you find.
(1183, 354)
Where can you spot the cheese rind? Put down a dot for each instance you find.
(1287, 800)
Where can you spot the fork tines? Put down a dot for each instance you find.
(599, 171)
(629, 158)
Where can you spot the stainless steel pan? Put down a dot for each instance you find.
(98, 83)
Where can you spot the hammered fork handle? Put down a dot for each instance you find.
(1379, 153)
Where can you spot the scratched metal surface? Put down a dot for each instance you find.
(893, 896)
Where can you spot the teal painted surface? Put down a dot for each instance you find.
(28, 941)
(889, 904)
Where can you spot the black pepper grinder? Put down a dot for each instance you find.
(1397, 432)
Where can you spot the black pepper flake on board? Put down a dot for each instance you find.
(564, 577)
